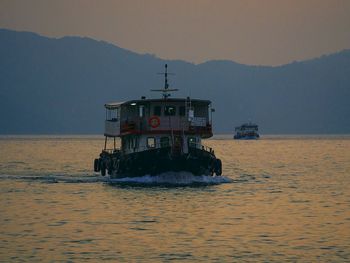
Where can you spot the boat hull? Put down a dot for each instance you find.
(157, 161)
(246, 137)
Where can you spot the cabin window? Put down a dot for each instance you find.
(112, 114)
(141, 111)
(177, 141)
(191, 141)
(136, 144)
(169, 110)
(151, 142)
(191, 114)
(182, 111)
(157, 110)
(164, 142)
(124, 143)
(130, 143)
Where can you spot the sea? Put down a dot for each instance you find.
(280, 199)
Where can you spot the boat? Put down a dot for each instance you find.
(247, 131)
(158, 136)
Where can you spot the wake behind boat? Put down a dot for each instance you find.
(158, 136)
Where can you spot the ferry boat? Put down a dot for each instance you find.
(247, 131)
(157, 136)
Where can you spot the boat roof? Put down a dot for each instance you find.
(114, 105)
(247, 125)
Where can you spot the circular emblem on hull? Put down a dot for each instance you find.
(154, 121)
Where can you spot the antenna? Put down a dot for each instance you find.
(166, 89)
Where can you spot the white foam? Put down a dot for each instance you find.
(170, 178)
(56, 178)
(174, 178)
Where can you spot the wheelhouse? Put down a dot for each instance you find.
(157, 123)
(247, 127)
(139, 117)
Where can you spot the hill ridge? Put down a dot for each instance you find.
(59, 85)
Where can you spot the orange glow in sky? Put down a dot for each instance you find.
(269, 32)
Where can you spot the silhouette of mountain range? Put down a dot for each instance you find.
(59, 86)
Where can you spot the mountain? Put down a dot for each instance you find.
(59, 86)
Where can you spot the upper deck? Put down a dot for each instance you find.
(247, 126)
(152, 116)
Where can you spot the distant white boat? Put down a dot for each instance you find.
(247, 131)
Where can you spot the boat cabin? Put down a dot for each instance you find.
(247, 127)
(156, 123)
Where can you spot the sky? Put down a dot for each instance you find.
(254, 32)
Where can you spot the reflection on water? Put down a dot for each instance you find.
(288, 199)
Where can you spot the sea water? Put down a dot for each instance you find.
(281, 198)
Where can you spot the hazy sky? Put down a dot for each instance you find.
(269, 32)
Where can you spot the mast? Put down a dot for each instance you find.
(166, 91)
(166, 94)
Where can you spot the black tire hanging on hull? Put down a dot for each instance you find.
(103, 168)
(110, 168)
(96, 165)
(218, 167)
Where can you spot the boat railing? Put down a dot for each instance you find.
(160, 145)
(201, 146)
(111, 151)
(128, 126)
(146, 148)
(206, 127)
(205, 131)
(112, 127)
(135, 126)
